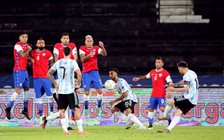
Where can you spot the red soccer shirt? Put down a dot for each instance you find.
(91, 63)
(159, 79)
(41, 63)
(58, 49)
(20, 62)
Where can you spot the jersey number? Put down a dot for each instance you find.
(63, 71)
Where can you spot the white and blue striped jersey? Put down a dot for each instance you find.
(65, 69)
(122, 86)
(191, 79)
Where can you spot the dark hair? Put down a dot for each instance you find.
(159, 58)
(67, 51)
(22, 33)
(182, 64)
(64, 34)
(114, 69)
(40, 38)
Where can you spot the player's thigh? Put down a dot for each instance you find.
(183, 104)
(153, 103)
(71, 100)
(129, 104)
(76, 103)
(37, 87)
(26, 82)
(63, 101)
(161, 102)
(19, 78)
(97, 84)
(120, 106)
(86, 81)
(47, 85)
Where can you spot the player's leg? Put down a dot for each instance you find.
(47, 85)
(63, 104)
(152, 111)
(18, 81)
(118, 110)
(98, 86)
(167, 110)
(78, 119)
(162, 104)
(25, 95)
(86, 85)
(129, 112)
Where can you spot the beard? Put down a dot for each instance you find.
(40, 48)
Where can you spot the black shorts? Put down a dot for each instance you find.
(65, 100)
(125, 105)
(183, 104)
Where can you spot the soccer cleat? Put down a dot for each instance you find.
(73, 118)
(83, 133)
(41, 120)
(70, 128)
(141, 128)
(129, 125)
(44, 120)
(25, 113)
(99, 112)
(163, 118)
(164, 131)
(67, 133)
(150, 128)
(87, 113)
(8, 115)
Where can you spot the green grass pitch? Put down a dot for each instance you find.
(113, 133)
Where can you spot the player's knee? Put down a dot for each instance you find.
(171, 102)
(151, 109)
(128, 111)
(18, 90)
(39, 100)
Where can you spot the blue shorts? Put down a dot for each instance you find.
(21, 79)
(91, 78)
(42, 85)
(154, 102)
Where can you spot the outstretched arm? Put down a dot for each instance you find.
(135, 79)
(104, 51)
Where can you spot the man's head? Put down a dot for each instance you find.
(159, 62)
(23, 37)
(65, 39)
(67, 51)
(40, 44)
(182, 67)
(113, 73)
(89, 40)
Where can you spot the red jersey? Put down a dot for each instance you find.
(91, 63)
(20, 62)
(159, 79)
(58, 49)
(41, 63)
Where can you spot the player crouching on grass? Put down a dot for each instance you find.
(127, 100)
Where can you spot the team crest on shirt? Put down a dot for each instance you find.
(160, 75)
(43, 54)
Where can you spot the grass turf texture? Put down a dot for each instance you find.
(113, 133)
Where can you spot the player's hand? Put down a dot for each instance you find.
(29, 48)
(112, 102)
(135, 79)
(101, 44)
(92, 53)
(56, 88)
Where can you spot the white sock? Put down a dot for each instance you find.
(63, 124)
(67, 116)
(99, 96)
(25, 96)
(121, 115)
(13, 96)
(132, 117)
(86, 97)
(151, 115)
(53, 116)
(79, 125)
(167, 110)
(174, 122)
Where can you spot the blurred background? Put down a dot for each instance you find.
(134, 33)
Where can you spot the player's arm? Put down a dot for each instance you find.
(135, 79)
(55, 57)
(85, 58)
(104, 51)
(179, 83)
(79, 76)
(123, 95)
(23, 54)
(51, 77)
(75, 56)
(183, 88)
(51, 62)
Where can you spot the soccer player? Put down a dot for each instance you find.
(90, 73)
(20, 74)
(41, 58)
(189, 85)
(127, 99)
(65, 88)
(159, 78)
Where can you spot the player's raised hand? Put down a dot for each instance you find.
(135, 79)
(101, 44)
(29, 48)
